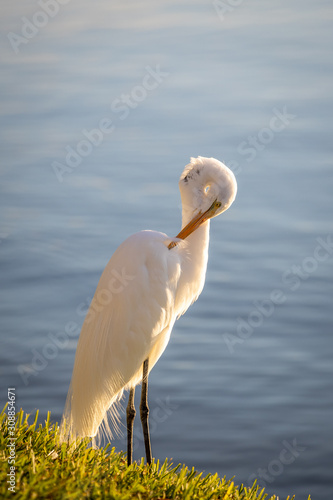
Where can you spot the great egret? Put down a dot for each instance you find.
(149, 282)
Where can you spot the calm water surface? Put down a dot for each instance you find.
(245, 386)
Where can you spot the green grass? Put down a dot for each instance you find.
(46, 469)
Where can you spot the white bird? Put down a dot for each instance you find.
(149, 282)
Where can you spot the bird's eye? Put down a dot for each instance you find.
(207, 188)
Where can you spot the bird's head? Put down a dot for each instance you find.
(207, 188)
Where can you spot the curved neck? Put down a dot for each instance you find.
(194, 258)
(200, 236)
(187, 216)
(194, 265)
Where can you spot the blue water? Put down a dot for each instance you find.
(245, 386)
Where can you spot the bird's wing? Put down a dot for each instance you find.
(130, 318)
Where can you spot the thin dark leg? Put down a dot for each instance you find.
(130, 413)
(144, 411)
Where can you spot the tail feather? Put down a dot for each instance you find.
(99, 418)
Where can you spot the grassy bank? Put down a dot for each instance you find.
(34, 465)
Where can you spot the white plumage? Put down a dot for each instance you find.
(150, 281)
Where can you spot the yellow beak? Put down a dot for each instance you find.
(199, 219)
